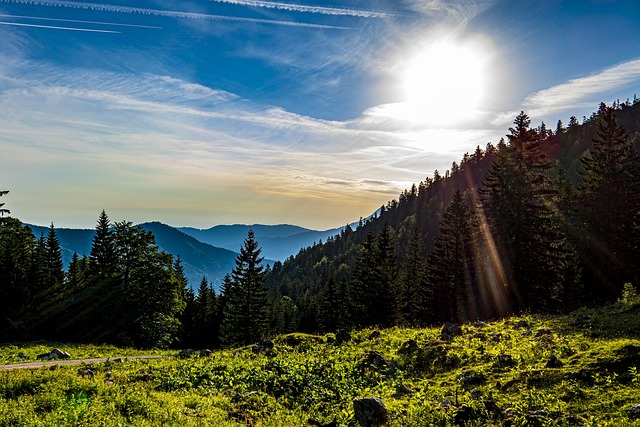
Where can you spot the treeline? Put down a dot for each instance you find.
(125, 292)
(543, 222)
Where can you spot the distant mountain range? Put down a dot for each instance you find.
(278, 242)
(206, 253)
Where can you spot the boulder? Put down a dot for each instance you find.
(187, 352)
(59, 354)
(554, 362)
(373, 335)
(408, 347)
(205, 352)
(634, 411)
(470, 377)
(450, 331)
(370, 412)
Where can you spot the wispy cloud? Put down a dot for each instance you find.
(308, 9)
(168, 13)
(115, 24)
(582, 92)
(51, 27)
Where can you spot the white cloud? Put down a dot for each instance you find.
(582, 92)
(166, 13)
(341, 11)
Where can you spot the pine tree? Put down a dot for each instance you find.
(103, 255)
(245, 316)
(416, 297)
(610, 200)
(54, 259)
(452, 266)
(519, 202)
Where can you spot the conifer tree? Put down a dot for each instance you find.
(3, 211)
(54, 259)
(610, 201)
(245, 316)
(416, 298)
(452, 262)
(103, 255)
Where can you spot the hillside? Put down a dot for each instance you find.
(278, 242)
(531, 229)
(578, 369)
(198, 259)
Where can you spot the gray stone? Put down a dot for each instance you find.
(554, 362)
(187, 352)
(370, 412)
(59, 354)
(634, 411)
(206, 352)
(450, 331)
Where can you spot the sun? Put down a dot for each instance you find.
(443, 82)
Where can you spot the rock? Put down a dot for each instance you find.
(504, 361)
(375, 359)
(206, 352)
(21, 355)
(464, 414)
(264, 345)
(370, 412)
(582, 322)
(187, 352)
(373, 335)
(59, 354)
(87, 373)
(479, 324)
(108, 382)
(108, 375)
(118, 360)
(54, 354)
(634, 411)
(521, 324)
(408, 347)
(554, 362)
(470, 377)
(450, 331)
(542, 332)
(342, 336)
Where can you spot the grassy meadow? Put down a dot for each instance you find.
(494, 373)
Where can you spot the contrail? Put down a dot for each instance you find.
(38, 18)
(59, 28)
(310, 9)
(167, 13)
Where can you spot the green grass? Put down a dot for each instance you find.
(496, 373)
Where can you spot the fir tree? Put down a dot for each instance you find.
(245, 316)
(103, 255)
(416, 300)
(54, 259)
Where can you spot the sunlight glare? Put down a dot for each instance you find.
(445, 82)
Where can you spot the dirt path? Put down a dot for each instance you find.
(43, 364)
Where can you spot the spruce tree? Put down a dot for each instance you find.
(610, 202)
(452, 263)
(103, 255)
(245, 315)
(54, 259)
(416, 296)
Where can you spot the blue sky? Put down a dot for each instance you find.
(208, 112)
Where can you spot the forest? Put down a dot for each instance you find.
(542, 222)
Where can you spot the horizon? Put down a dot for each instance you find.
(244, 112)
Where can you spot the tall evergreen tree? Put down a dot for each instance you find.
(103, 254)
(416, 297)
(452, 262)
(245, 314)
(54, 259)
(610, 201)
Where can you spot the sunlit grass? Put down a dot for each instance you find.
(497, 372)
